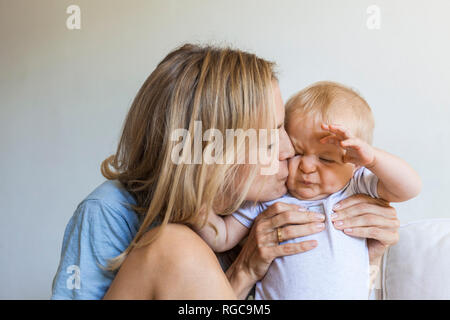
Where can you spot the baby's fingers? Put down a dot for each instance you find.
(339, 130)
(351, 143)
(331, 139)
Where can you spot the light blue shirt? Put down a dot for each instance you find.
(101, 228)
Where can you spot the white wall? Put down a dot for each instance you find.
(64, 95)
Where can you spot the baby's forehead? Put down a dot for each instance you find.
(307, 133)
(313, 123)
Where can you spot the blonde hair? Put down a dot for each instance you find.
(221, 87)
(331, 102)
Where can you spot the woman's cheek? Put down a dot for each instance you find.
(292, 171)
(293, 165)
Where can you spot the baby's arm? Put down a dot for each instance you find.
(229, 232)
(397, 181)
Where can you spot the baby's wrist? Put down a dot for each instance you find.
(372, 164)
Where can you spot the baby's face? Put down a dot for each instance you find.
(317, 169)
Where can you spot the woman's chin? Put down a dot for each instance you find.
(281, 191)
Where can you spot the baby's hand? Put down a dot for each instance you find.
(357, 151)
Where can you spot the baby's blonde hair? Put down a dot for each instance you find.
(332, 102)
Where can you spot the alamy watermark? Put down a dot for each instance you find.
(262, 147)
(74, 280)
(374, 19)
(73, 22)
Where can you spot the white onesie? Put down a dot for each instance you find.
(338, 268)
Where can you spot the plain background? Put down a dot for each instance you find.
(64, 95)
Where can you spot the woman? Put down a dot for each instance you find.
(140, 220)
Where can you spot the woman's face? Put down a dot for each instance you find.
(270, 187)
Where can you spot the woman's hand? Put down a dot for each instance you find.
(366, 217)
(262, 245)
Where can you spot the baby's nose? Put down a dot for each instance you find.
(307, 164)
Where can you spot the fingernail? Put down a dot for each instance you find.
(333, 216)
(338, 223)
(320, 216)
(320, 226)
(311, 244)
(349, 230)
(336, 206)
(302, 209)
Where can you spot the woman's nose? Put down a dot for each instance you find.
(307, 164)
(286, 148)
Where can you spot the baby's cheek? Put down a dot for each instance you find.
(332, 180)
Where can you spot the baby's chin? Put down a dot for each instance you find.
(306, 194)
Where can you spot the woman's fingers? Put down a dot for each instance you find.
(361, 208)
(295, 231)
(277, 208)
(357, 199)
(262, 245)
(367, 220)
(366, 217)
(291, 248)
(386, 236)
(291, 225)
(295, 217)
(271, 239)
(282, 221)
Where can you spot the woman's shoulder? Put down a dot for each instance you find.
(101, 228)
(112, 192)
(111, 197)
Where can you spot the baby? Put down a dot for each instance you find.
(331, 128)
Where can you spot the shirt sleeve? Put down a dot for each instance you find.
(247, 213)
(364, 181)
(94, 234)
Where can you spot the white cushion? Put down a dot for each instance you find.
(418, 266)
